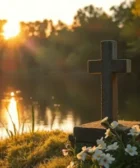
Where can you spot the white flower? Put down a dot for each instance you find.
(106, 160)
(131, 150)
(114, 124)
(91, 150)
(114, 146)
(97, 155)
(88, 149)
(136, 127)
(101, 144)
(99, 141)
(65, 152)
(84, 148)
(71, 165)
(134, 131)
(104, 120)
(82, 155)
(107, 133)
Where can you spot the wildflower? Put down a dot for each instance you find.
(97, 155)
(84, 148)
(131, 150)
(101, 144)
(91, 150)
(134, 131)
(100, 141)
(108, 133)
(114, 146)
(88, 149)
(136, 127)
(114, 124)
(71, 165)
(65, 152)
(106, 160)
(82, 155)
(104, 120)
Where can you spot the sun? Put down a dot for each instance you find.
(11, 29)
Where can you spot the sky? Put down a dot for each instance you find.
(32, 10)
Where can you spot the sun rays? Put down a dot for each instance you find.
(11, 29)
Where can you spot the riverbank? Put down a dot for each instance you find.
(39, 150)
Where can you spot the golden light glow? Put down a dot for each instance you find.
(57, 122)
(28, 10)
(11, 29)
(12, 94)
(53, 123)
(12, 114)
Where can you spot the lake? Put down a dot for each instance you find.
(14, 115)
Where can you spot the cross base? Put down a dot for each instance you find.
(87, 134)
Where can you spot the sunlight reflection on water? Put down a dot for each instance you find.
(52, 121)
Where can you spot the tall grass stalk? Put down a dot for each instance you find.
(15, 130)
(9, 133)
(21, 126)
(13, 124)
(33, 118)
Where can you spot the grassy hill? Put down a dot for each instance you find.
(34, 150)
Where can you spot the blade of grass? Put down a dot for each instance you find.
(14, 126)
(33, 118)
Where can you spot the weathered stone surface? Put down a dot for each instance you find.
(90, 132)
(88, 135)
(108, 66)
(97, 124)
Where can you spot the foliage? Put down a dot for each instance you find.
(122, 13)
(119, 148)
(136, 9)
(38, 149)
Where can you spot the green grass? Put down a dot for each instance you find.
(40, 149)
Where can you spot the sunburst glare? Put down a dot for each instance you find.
(11, 29)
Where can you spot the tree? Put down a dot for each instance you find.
(92, 25)
(34, 29)
(122, 13)
(136, 8)
(86, 15)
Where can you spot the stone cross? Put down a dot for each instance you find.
(108, 66)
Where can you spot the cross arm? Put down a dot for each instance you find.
(94, 66)
(121, 66)
(117, 66)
